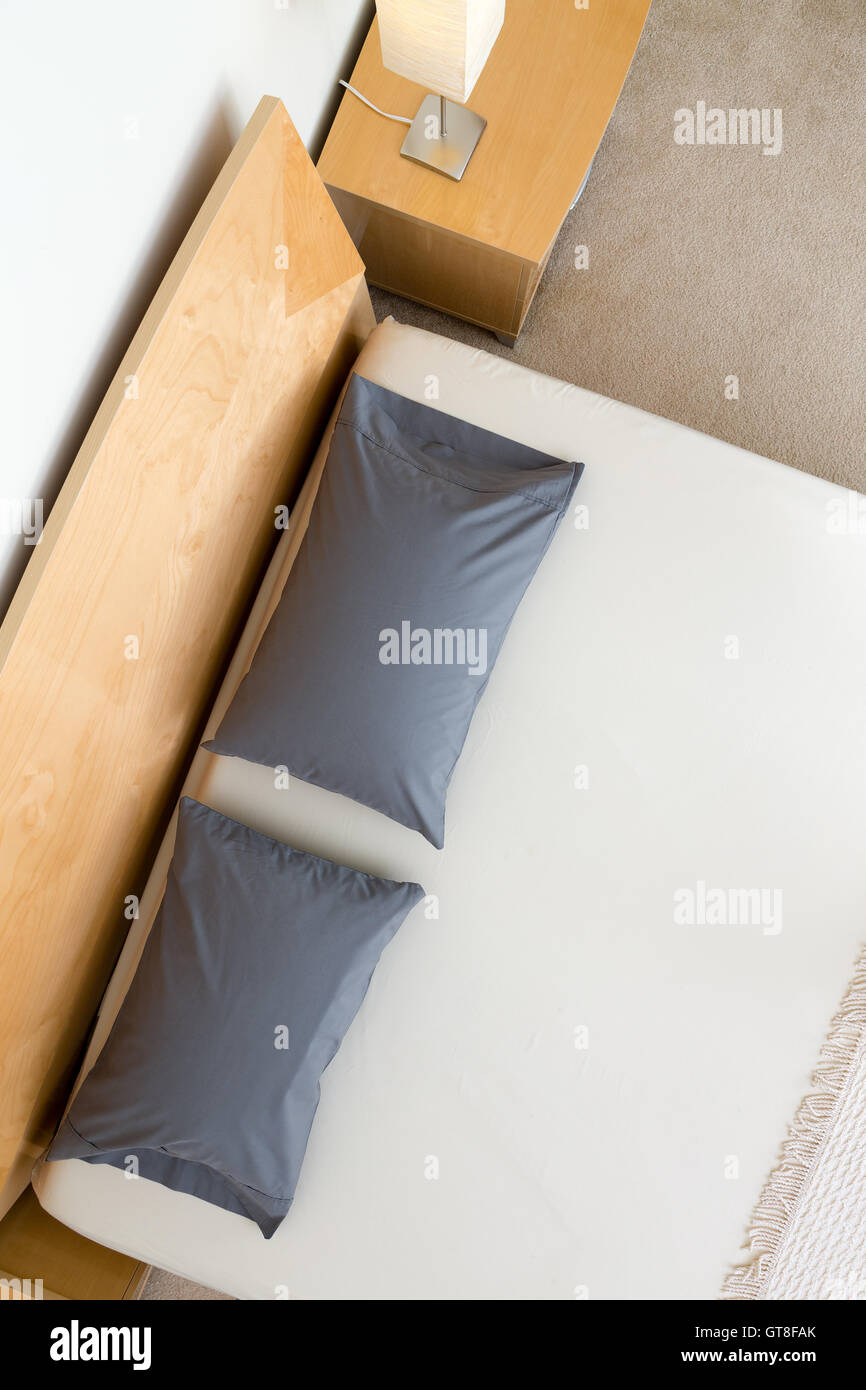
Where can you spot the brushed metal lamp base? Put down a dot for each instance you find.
(443, 136)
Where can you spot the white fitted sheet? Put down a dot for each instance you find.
(627, 1168)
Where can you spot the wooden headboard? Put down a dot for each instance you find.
(126, 615)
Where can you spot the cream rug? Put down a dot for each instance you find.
(808, 1234)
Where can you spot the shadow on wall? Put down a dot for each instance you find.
(193, 185)
(348, 59)
(220, 130)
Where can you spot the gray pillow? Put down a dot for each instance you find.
(424, 535)
(256, 965)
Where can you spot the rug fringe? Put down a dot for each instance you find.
(810, 1126)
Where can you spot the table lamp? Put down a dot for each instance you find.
(443, 45)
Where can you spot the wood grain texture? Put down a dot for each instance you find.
(435, 267)
(547, 91)
(159, 534)
(35, 1246)
(476, 248)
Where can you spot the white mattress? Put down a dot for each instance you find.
(626, 1168)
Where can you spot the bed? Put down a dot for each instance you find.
(554, 1090)
(571, 1161)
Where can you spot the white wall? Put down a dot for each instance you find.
(116, 116)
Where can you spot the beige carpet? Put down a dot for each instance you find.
(712, 261)
(709, 261)
(161, 1286)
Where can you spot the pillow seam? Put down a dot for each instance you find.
(387, 449)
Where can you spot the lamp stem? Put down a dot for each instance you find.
(442, 127)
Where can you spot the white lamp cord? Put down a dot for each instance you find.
(406, 120)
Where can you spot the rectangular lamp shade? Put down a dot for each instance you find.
(441, 44)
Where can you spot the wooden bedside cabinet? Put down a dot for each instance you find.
(477, 248)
